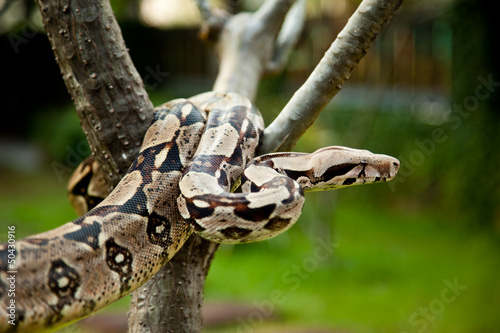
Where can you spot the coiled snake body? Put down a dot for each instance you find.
(82, 266)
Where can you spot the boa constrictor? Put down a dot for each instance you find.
(170, 190)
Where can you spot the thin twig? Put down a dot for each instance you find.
(271, 15)
(5, 6)
(205, 9)
(327, 78)
(288, 37)
(246, 45)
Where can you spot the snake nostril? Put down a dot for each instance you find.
(395, 164)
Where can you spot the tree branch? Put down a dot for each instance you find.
(108, 93)
(270, 16)
(327, 78)
(213, 20)
(171, 301)
(287, 38)
(205, 8)
(246, 45)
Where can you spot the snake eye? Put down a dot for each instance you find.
(363, 162)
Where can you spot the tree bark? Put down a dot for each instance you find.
(171, 301)
(108, 93)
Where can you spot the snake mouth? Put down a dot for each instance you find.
(365, 173)
(364, 180)
(393, 168)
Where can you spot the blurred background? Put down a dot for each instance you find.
(418, 254)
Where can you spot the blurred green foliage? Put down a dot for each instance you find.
(474, 155)
(58, 131)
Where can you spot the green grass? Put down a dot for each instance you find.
(33, 202)
(387, 267)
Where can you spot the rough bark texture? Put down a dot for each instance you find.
(171, 301)
(108, 93)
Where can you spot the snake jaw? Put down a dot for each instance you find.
(338, 167)
(381, 168)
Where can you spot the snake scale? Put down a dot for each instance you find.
(194, 154)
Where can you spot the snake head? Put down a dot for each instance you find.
(337, 167)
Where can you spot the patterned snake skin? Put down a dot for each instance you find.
(180, 182)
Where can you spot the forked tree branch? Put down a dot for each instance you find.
(115, 110)
(326, 80)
